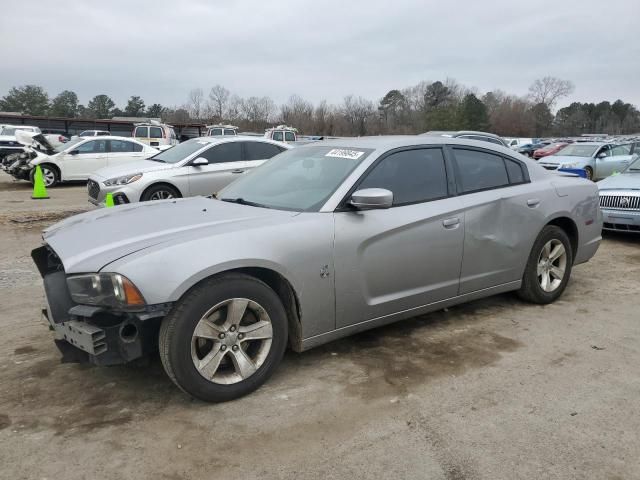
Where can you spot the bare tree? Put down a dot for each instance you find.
(297, 112)
(194, 102)
(218, 100)
(549, 90)
(357, 112)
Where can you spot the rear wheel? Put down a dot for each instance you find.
(548, 268)
(160, 192)
(589, 171)
(224, 339)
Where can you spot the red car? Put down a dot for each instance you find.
(549, 150)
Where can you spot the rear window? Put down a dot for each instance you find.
(141, 132)
(155, 132)
(260, 150)
(289, 137)
(480, 170)
(514, 169)
(124, 146)
(229, 132)
(216, 131)
(278, 136)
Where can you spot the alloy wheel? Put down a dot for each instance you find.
(552, 265)
(49, 177)
(231, 341)
(161, 195)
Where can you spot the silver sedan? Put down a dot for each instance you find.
(200, 166)
(322, 241)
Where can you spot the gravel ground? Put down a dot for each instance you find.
(494, 389)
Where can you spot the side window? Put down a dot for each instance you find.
(606, 150)
(480, 170)
(289, 137)
(260, 150)
(124, 146)
(94, 146)
(229, 131)
(413, 176)
(223, 153)
(514, 170)
(141, 132)
(494, 140)
(621, 150)
(155, 132)
(278, 136)
(136, 147)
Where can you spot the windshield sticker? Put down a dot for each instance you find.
(343, 153)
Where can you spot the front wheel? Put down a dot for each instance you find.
(548, 268)
(224, 339)
(589, 172)
(49, 175)
(159, 192)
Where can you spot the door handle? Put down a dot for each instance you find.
(238, 170)
(533, 202)
(451, 222)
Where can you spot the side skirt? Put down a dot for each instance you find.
(317, 340)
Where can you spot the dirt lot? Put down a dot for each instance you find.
(494, 389)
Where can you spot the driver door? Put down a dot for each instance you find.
(86, 159)
(396, 259)
(225, 165)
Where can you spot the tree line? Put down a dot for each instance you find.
(439, 105)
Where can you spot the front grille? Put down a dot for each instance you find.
(550, 167)
(621, 227)
(94, 189)
(620, 202)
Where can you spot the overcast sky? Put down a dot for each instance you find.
(318, 49)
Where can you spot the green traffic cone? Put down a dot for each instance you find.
(108, 200)
(39, 189)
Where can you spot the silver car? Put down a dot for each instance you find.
(200, 166)
(322, 241)
(620, 200)
(599, 160)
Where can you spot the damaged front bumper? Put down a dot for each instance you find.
(90, 334)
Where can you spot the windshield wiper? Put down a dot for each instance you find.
(242, 201)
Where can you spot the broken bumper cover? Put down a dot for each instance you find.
(94, 334)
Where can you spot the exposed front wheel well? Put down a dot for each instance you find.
(285, 292)
(570, 228)
(144, 194)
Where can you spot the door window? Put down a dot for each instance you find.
(413, 176)
(141, 132)
(260, 150)
(155, 132)
(124, 146)
(606, 150)
(223, 153)
(480, 170)
(514, 169)
(621, 150)
(93, 146)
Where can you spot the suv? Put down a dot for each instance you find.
(282, 133)
(469, 135)
(155, 134)
(94, 133)
(217, 130)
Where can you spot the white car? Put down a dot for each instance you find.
(8, 142)
(200, 166)
(94, 133)
(77, 159)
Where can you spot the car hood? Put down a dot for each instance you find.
(90, 241)
(622, 181)
(139, 166)
(32, 139)
(560, 159)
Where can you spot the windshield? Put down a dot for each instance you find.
(301, 179)
(12, 130)
(575, 150)
(180, 152)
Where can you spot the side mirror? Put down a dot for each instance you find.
(371, 199)
(200, 161)
(602, 155)
(74, 152)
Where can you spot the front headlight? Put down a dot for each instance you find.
(569, 165)
(124, 180)
(104, 289)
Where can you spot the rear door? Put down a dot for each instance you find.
(124, 151)
(392, 260)
(87, 158)
(501, 217)
(141, 133)
(225, 165)
(156, 137)
(255, 153)
(621, 156)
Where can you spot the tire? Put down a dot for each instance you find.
(533, 281)
(160, 191)
(208, 368)
(589, 171)
(49, 174)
